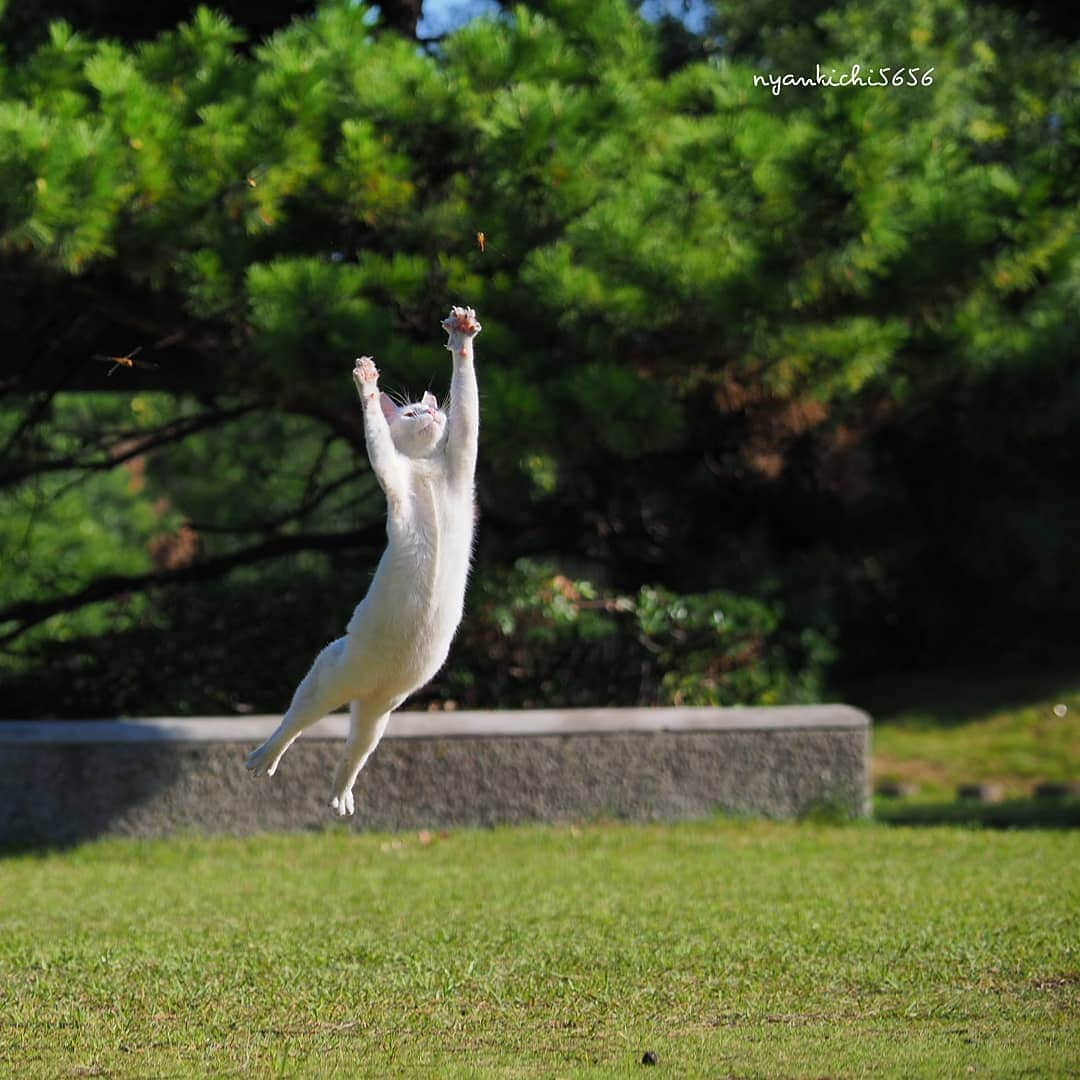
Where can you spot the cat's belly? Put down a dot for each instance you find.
(403, 628)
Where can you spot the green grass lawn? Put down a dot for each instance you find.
(724, 948)
(1008, 728)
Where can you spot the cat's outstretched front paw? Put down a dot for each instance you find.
(365, 370)
(343, 803)
(461, 323)
(366, 376)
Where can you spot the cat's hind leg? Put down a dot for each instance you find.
(368, 722)
(323, 689)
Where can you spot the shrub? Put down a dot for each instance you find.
(537, 638)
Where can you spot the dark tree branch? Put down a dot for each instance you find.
(38, 409)
(310, 502)
(132, 446)
(30, 613)
(339, 421)
(311, 484)
(401, 16)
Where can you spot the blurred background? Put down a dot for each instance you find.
(780, 389)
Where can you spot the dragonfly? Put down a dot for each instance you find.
(484, 245)
(127, 360)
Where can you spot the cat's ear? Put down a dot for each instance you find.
(429, 400)
(389, 409)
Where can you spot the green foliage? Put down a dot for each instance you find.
(535, 637)
(529, 94)
(221, 467)
(91, 524)
(801, 309)
(294, 302)
(636, 207)
(717, 648)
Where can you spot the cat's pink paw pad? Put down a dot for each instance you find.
(462, 321)
(365, 370)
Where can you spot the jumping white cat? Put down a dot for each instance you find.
(400, 633)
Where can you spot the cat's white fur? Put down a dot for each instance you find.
(400, 633)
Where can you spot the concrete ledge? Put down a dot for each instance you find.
(64, 781)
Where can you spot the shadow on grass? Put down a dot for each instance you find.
(952, 697)
(1012, 814)
(58, 795)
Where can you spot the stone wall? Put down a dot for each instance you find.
(67, 781)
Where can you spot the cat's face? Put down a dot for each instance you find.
(417, 429)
